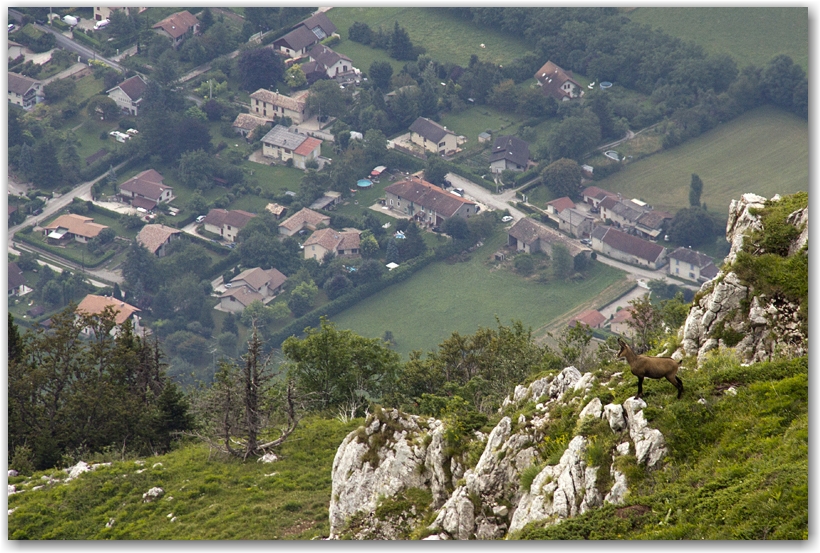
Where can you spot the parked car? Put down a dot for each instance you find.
(506, 218)
(200, 218)
(586, 241)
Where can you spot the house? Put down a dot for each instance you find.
(281, 144)
(594, 196)
(251, 285)
(556, 206)
(178, 26)
(155, 238)
(627, 248)
(71, 225)
(691, 265)
(433, 137)
(105, 13)
(484, 137)
(24, 91)
(277, 210)
(576, 223)
(304, 35)
(303, 219)
(17, 282)
(530, 236)
(327, 201)
(652, 224)
(509, 153)
(330, 62)
(558, 83)
(227, 224)
(246, 123)
(426, 203)
(15, 50)
(624, 213)
(327, 240)
(128, 94)
(269, 105)
(619, 324)
(590, 317)
(95, 305)
(146, 190)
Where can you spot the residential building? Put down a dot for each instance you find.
(624, 213)
(304, 35)
(281, 144)
(128, 94)
(576, 223)
(330, 62)
(558, 83)
(558, 205)
(178, 26)
(79, 227)
(691, 265)
(96, 305)
(24, 91)
(426, 203)
(590, 317)
(619, 324)
(269, 105)
(16, 282)
(327, 240)
(530, 236)
(652, 224)
(594, 196)
(246, 123)
(251, 285)
(105, 13)
(226, 224)
(303, 219)
(509, 153)
(155, 238)
(627, 248)
(146, 190)
(433, 137)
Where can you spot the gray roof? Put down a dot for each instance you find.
(688, 255)
(624, 208)
(320, 21)
(299, 38)
(280, 136)
(133, 87)
(430, 130)
(16, 278)
(325, 56)
(20, 84)
(627, 243)
(510, 148)
(528, 231)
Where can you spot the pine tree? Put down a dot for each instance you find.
(695, 190)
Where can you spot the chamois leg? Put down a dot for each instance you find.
(676, 382)
(680, 386)
(640, 387)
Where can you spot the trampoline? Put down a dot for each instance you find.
(605, 85)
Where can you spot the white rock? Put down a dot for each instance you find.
(650, 446)
(702, 401)
(12, 489)
(110, 523)
(267, 458)
(156, 465)
(622, 449)
(432, 537)
(614, 414)
(592, 409)
(12, 472)
(500, 510)
(76, 470)
(152, 494)
(732, 391)
(12, 510)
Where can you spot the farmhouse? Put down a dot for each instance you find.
(24, 92)
(558, 83)
(625, 247)
(246, 123)
(576, 223)
(303, 219)
(178, 27)
(282, 144)
(426, 203)
(433, 137)
(590, 317)
(691, 265)
(594, 195)
(269, 105)
(558, 205)
(304, 35)
(96, 305)
(16, 281)
(530, 236)
(619, 324)
(624, 213)
(155, 238)
(71, 225)
(509, 153)
(227, 224)
(332, 63)
(251, 285)
(327, 240)
(146, 190)
(652, 223)
(128, 94)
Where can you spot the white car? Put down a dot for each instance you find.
(506, 218)
(200, 218)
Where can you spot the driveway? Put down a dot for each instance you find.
(482, 195)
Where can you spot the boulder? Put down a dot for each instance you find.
(650, 445)
(152, 494)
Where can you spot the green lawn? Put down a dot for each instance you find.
(443, 298)
(765, 151)
(473, 121)
(89, 136)
(446, 37)
(751, 35)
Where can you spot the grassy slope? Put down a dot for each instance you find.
(765, 151)
(444, 298)
(751, 35)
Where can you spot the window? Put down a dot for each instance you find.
(229, 227)
(691, 275)
(691, 267)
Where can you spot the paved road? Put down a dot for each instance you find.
(486, 197)
(640, 273)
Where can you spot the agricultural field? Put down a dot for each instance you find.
(444, 298)
(765, 151)
(446, 37)
(751, 35)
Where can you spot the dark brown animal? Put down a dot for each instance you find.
(644, 366)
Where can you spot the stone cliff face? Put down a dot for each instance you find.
(730, 313)
(395, 453)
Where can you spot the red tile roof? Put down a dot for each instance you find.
(561, 204)
(591, 317)
(307, 146)
(428, 196)
(177, 24)
(94, 305)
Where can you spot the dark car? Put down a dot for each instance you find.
(37, 211)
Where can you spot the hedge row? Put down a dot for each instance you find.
(472, 176)
(521, 178)
(81, 37)
(63, 253)
(312, 319)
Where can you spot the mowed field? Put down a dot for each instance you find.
(441, 298)
(445, 36)
(765, 151)
(751, 35)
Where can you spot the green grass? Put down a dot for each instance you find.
(212, 499)
(765, 151)
(443, 298)
(751, 35)
(474, 121)
(89, 136)
(446, 37)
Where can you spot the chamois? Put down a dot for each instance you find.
(644, 366)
